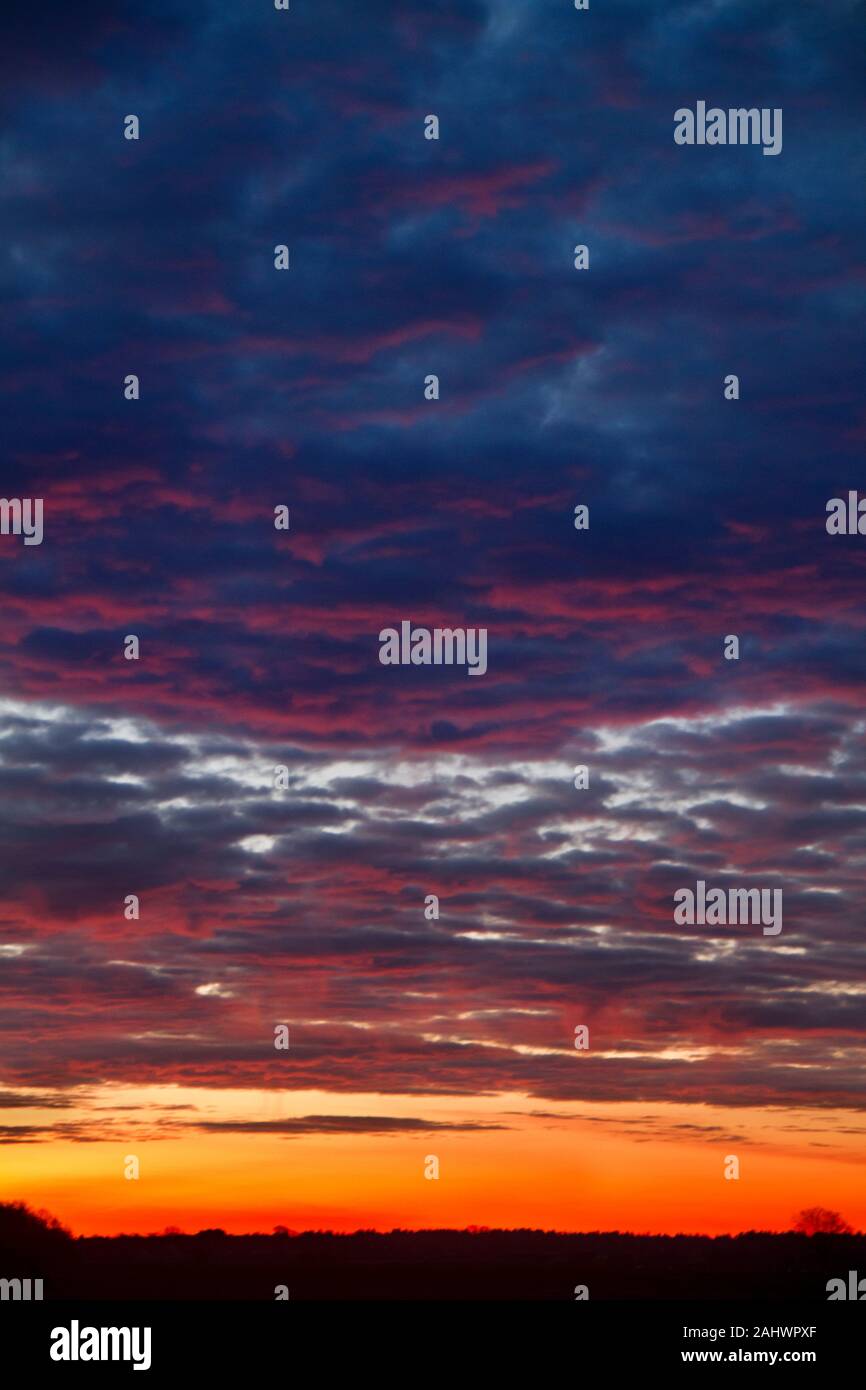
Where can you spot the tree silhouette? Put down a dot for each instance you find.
(813, 1221)
(26, 1232)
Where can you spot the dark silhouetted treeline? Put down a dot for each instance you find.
(520, 1264)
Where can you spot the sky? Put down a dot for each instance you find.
(413, 1036)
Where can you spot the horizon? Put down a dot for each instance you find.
(281, 1232)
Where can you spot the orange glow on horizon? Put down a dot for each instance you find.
(655, 1169)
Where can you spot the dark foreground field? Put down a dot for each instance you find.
(430, 1265)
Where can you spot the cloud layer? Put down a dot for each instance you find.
(259, 647)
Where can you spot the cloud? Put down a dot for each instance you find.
(259, 648)
(340, 1124)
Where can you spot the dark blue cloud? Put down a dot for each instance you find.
(411, 257)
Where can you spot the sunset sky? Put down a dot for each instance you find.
(305, 906)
